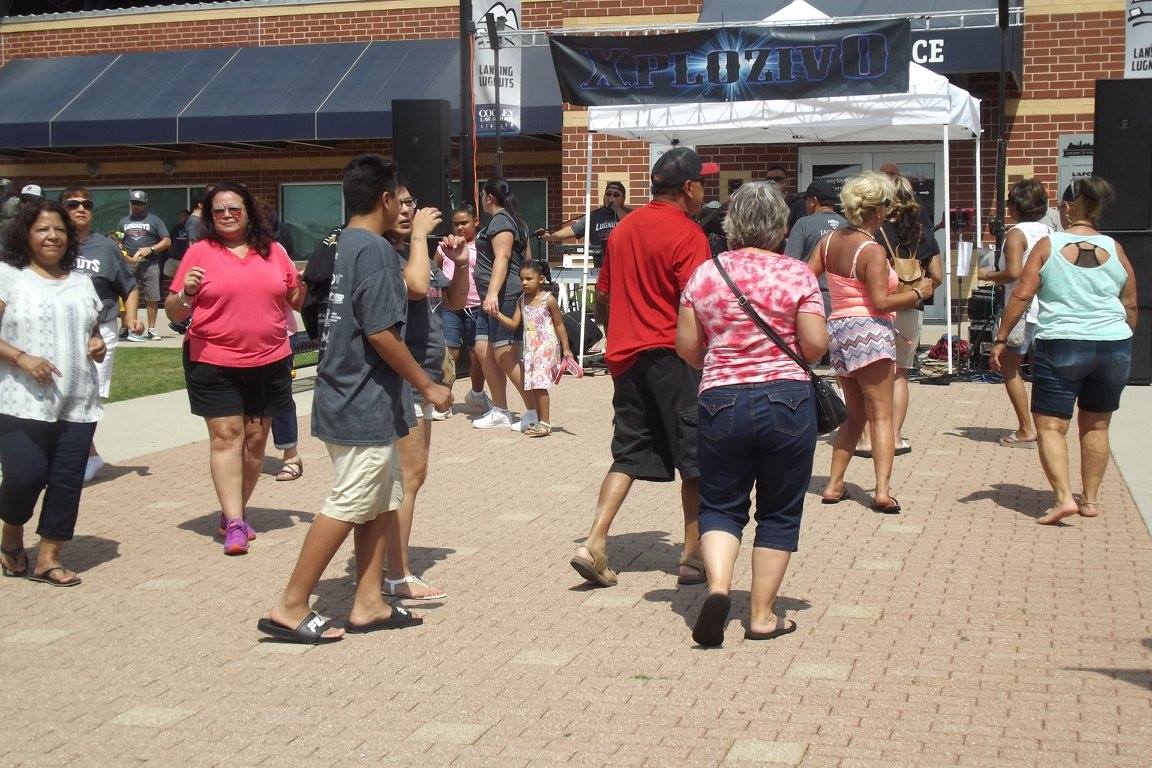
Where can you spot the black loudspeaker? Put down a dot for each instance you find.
(1002, 14)
(420, 146)
(1123, 151)
(592, 333)
(1138, 248)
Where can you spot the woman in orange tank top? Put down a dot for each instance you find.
(862, 343)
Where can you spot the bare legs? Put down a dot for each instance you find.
(899, 412)
(868, 396)
(1051, 434)
(500, 365)
(236, 455)
(1017, 395)
(615, 489)
(413, 452)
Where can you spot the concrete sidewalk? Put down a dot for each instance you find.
(959, 633)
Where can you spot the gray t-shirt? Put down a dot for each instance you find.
(194, 228)
(100, 259)
(807, 233)
(144, 232)
(358, 399)
(423, 333)
(486, 258)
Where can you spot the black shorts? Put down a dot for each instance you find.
(654, 427)
(218, 390)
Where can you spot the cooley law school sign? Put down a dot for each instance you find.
(1138, 39)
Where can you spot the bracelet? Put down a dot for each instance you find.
(19, 354)
(999, 341)
(185, 299)
(919, 295)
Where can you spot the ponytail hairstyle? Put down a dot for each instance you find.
(1089, 195)
(536, 265)
(500, 190)
(905, 213)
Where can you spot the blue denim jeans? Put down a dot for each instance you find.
(1091, 374)
(756, 435)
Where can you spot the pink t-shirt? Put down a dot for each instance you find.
(238, 312)
(738, 352)
(448, 267)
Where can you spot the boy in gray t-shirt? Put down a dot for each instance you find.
(360, 408)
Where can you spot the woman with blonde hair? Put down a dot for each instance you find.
(865, 291)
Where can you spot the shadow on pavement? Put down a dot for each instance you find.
(84, 553)
(1018, 498)
(1141, 678)
(981, 434)
(260, 518)
(114, 471)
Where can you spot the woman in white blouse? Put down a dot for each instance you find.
(49, 391)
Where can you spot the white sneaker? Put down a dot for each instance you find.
(432, 414)
(478, 400)
(137, 337)
(153, 335)
(94, 464)
(497, 418)
(528, 419)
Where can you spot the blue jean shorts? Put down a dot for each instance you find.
(459, 326)
(489, 328)
(756, 435)
(1068, 372)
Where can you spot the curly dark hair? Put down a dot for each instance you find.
(16, 250)
(259, 237)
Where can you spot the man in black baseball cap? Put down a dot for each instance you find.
(604, 220)
(820, 200)
(647, 263)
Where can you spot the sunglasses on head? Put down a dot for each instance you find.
(74, 203)
(776, 179)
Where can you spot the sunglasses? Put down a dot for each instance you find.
(776, 179)
(73, 204)
(232, 210)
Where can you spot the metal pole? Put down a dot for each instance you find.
(587, 245)
(948, 242)
(467, 107)
(495, 26)
(1001, 136)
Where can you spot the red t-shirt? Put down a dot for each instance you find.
(238, 312)
(650, 256)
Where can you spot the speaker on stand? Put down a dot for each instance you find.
(1123, 156)
(421, 147)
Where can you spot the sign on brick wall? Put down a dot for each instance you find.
(734, 64)
(485, 76)
(1075, 161)
(1138, 39)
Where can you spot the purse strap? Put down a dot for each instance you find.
(754, 316)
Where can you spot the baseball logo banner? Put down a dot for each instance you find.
(734, 64)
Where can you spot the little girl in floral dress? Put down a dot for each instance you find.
(545, 343)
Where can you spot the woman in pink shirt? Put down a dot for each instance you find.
(459, 325)
(757, 414)
(237, 360)
(865, 293)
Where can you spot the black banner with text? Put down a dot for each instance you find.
(734, 64)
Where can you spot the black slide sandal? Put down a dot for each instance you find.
(400, 619)
(308, 632)
(709, 629)
(842, 497)
(786, 627)
(886, 509)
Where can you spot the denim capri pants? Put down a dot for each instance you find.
(760, 436)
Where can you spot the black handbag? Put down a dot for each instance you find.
(830, 409)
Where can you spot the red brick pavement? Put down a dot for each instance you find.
(958, 633)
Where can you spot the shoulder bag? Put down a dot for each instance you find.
(830, 409)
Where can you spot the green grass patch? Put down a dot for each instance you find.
(142, 371)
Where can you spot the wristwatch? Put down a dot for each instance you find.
(999, 341)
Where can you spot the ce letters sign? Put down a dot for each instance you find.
(958, 51)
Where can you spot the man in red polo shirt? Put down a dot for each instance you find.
(647, 263)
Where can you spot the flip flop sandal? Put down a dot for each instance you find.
(44, 578)
(13, 556)
(290, 470)
(904, 448)
(1011, 441)
(786, 627)
(697, 564)
(389, 588)
(709, 629)
(862, 454)
(310, 631)
(842, 497)
(595, 570)
(399, 619)
(886, 509)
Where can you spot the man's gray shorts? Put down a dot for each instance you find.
(148, 279)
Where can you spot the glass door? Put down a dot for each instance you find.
(919, 164)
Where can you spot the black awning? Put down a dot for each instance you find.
(276, 93)
(34, 91)
(946, 46)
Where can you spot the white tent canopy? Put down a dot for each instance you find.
(933, 109)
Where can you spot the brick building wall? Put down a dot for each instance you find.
(1068, 45)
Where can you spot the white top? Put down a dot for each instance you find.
(52, 319)
(1034, 232)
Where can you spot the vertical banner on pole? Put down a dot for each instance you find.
(1138, 40)
(485, 76)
